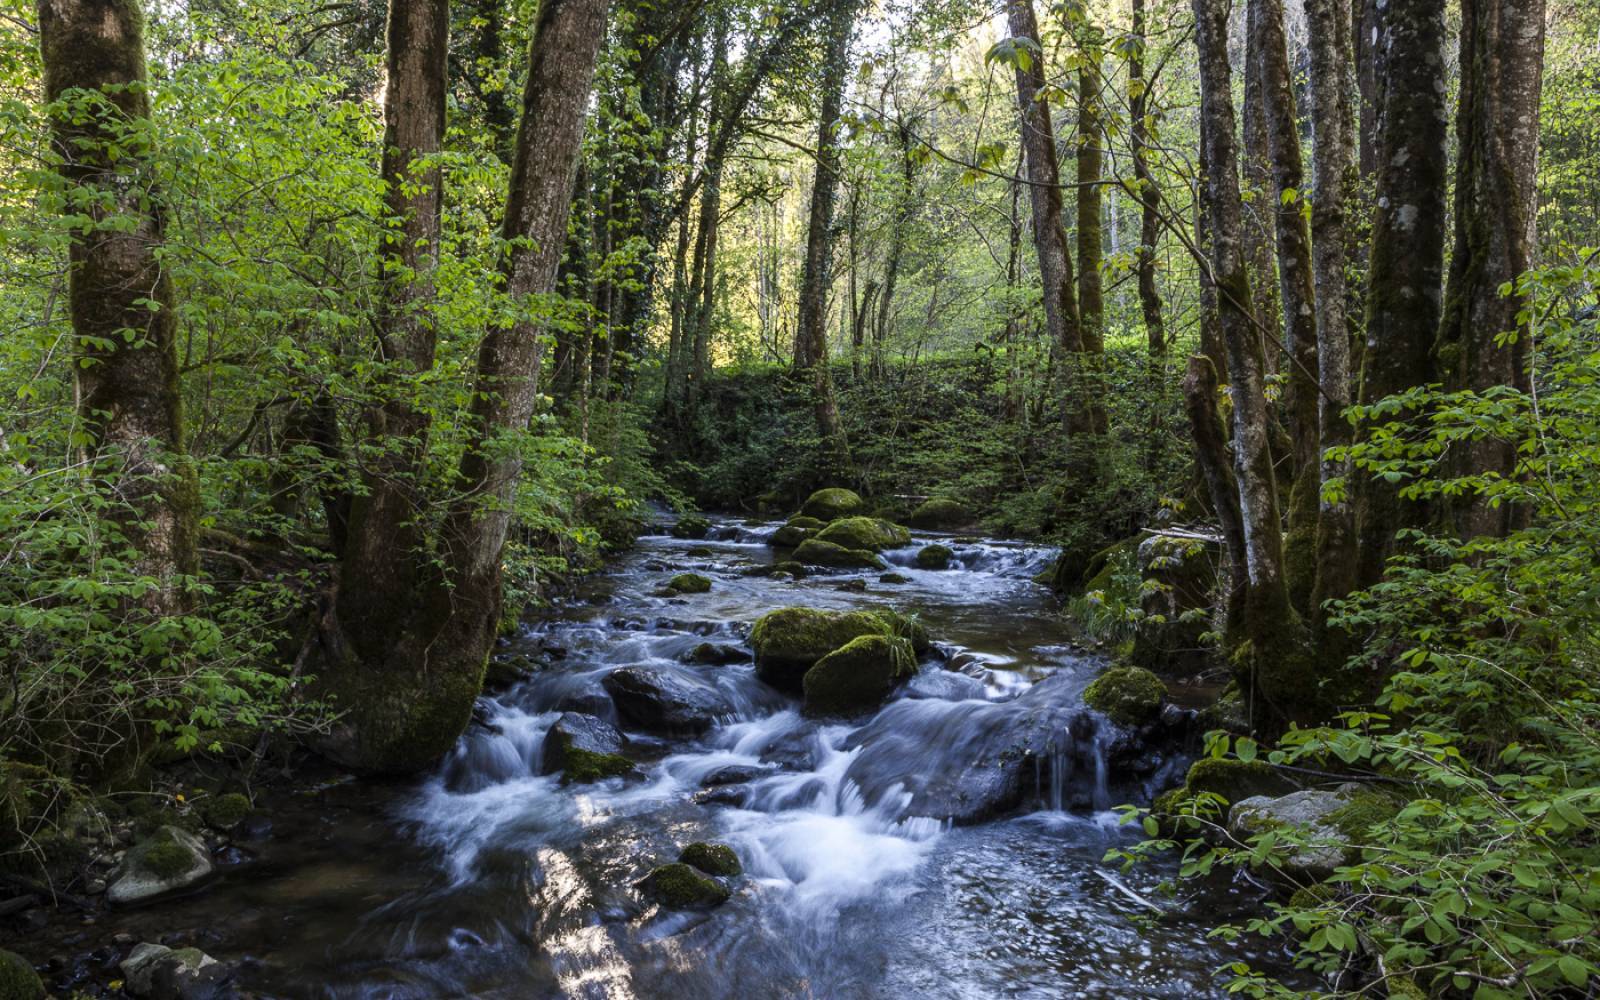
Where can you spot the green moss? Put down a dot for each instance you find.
(894, 578)
(584, 766)
(789, 536)
(934, 557)
(1310, 897)
(691, 526)
(225, 811)
(1404, 988)
(713, 859)
(166, 859)
(907, 627)
(679, 886)
(1236, 780)
(1130, 696)
(858, 675)
(806, 523)
(689, 583)
(701, 552)
(831, 503)
(1363, 811)
(788, 641)
(864, 533)
(18, 981)
(816, 552)
(939, 512)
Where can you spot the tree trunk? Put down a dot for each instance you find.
(1295, 291)
(1497, 129)
(1149, 195)
(905, 204)
(1274, 659)
(811, 331)
(1367, 33)
(1259, 211)
(124, 358)
(1091, 238)
(1332, 86)
(408, 701)
(1407, 251)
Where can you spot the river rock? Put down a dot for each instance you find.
(869, 533)
(1129, 696)
(681, 887)
(816, 552)
(691, 526)
(832, 503)
(858, 675)
(716, 655)
(18, 981)
(162, 973)
(789, 641)
(1311, 813)
(713, 859)
(170, 860)
(940, 513)
(584, 748)
(934, 557)
(662, 700)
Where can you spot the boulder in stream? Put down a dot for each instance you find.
(934, 556)
(170, 860)
(1129, 696)
(832, 503)
(869, 533)
(18, 981)
(713, 859)
(716, 654)
(787, 642)
(681, 887)
(664, 700)
(816, 552)
(162, 973)
(691, 526)
(584, 748)
(858, 675)
(1327, 822)
(938, 513)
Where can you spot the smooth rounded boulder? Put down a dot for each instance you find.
(832, 503)
(665, 701)
(871, 533)
(816, 552)
(584, 749)
(938, 513)
(170, 860)
(858, 675)
(789, 641)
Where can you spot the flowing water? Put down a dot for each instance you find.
(489, 879)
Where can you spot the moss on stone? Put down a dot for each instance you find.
(934, 557)
(689, 583)
(584, 766)
(166, 859)
(907, 627)
(869, 533)
(18, 981)
(713, 859)
(816, 552)
(834, 502)
(894, 578)
(787, 642)
(691, 526)
(1236, 780)
(681, 887)
(1310, 897)
(858, 675)
(225, 811)
(1404, 988)
(1363, 810)
(939, 512)
(1130, 696)
(806, 523)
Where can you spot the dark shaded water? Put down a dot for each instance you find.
(490, 880)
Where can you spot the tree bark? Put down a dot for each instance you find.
(1497, 129)
(124, 357)
(1333, 164)
(1406, 263)
(1091, 236)
(1149, 194)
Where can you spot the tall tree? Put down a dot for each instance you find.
(407, 678)
(1333, 165)
(1481, 343)
(1406, 263)
(1268, 623)
(1145, 188)
(124, 327)
(1090, 163)
(811, 330)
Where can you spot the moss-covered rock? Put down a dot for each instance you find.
(681, 887)
(858, 675)
(789, 641)
(690, 526)
(1236, 780)
(934, 557)
(907, 627)
(689, 583)
(789, 536)
(865, 533)
(584, 748)
(834, 502)
(816, 552)
(584, 766)
(939, 513)
(1130, 696)
(1363, 810)
(713, 859)
(805, 523)
(894, 578)
(171, 860)
(1404, 988)
(224, 812)
(18, 981)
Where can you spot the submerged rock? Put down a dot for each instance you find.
(584, 748)
(869, 533)
(1129, 696)
(789, 641)
(816, 552)
(162, 973)
(939, 512)
(681, 887)
(832, 503)
(18, 981)
(663, 700)
(859, 675)
(716, 654)
(934, 557)
(713, 859)
(170, 860)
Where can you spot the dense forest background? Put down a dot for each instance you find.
(337, 336)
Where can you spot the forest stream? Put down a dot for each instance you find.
(489, 879)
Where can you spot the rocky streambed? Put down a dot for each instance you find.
(656, 803)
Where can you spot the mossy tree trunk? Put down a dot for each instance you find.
(1406, 261)
(1272, 652)
(1481, 342)
(1148, 192)
(124, 328)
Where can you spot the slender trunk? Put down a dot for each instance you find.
(1407, 256)
(1295, 290)
(1091, 237)
(1367, 34)
(705, 310)
(1481, 343)
(125, 365)
(1333, 165)
(1200, 396)
(1149, 194)
(905, 204)
(1259, 215)
(1275, 655)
